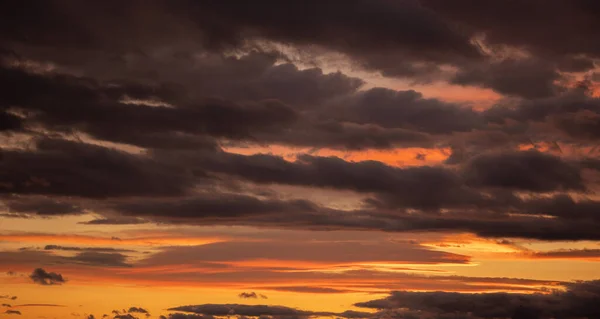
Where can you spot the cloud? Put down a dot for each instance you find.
(95, 258)
(258, 310)
(528, 171)
(12, 312)
(95, 249)
(186, 316)
(42, 277)
(406, 109)
(43, 206)
(8, 296)
(576, 302)
(247, 295)
(115, 221)
(114, 173)
(366, 37)
(137, 310)
(491, 20)
(523, 78)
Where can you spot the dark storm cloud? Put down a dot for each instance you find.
(525, 78)
(351, 136)
(56, 101)
(528, 171)
(366, 30)
(366, 176)
(578, 301)
(564, 207)
(379, 34)
(60, 167)
(72, 103)
(427, 187)
(406, 109)
(218, 206)
(157, 75)
(9, 122)
(42, 277)
(42, 206)
(545, 28)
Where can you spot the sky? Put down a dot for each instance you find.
(355, 159)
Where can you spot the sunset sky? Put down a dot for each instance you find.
(300, 159)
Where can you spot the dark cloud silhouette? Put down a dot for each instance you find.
(375, 33)
(406, 109)
(578, 301)
(10, 122)
(530, 171)
(42, 277)
(115, 221)
(114, 173)
(95, 249)
(96, 258)
(247, 295)
(548, 37)
(259, 310)
(8, 296)
(12, 312)
(186, 316)
(523, 78)
(137, 310)
(251, 295)
(43, 206)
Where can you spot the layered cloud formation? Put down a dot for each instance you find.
(334, 147)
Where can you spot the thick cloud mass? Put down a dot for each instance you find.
(250, 114)
(578, 301)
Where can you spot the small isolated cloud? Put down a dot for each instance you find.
(42, 277)
(137, 309)
(13, 312)
(8, 297)
(126, 316)
(6, 305)
(248, 295)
